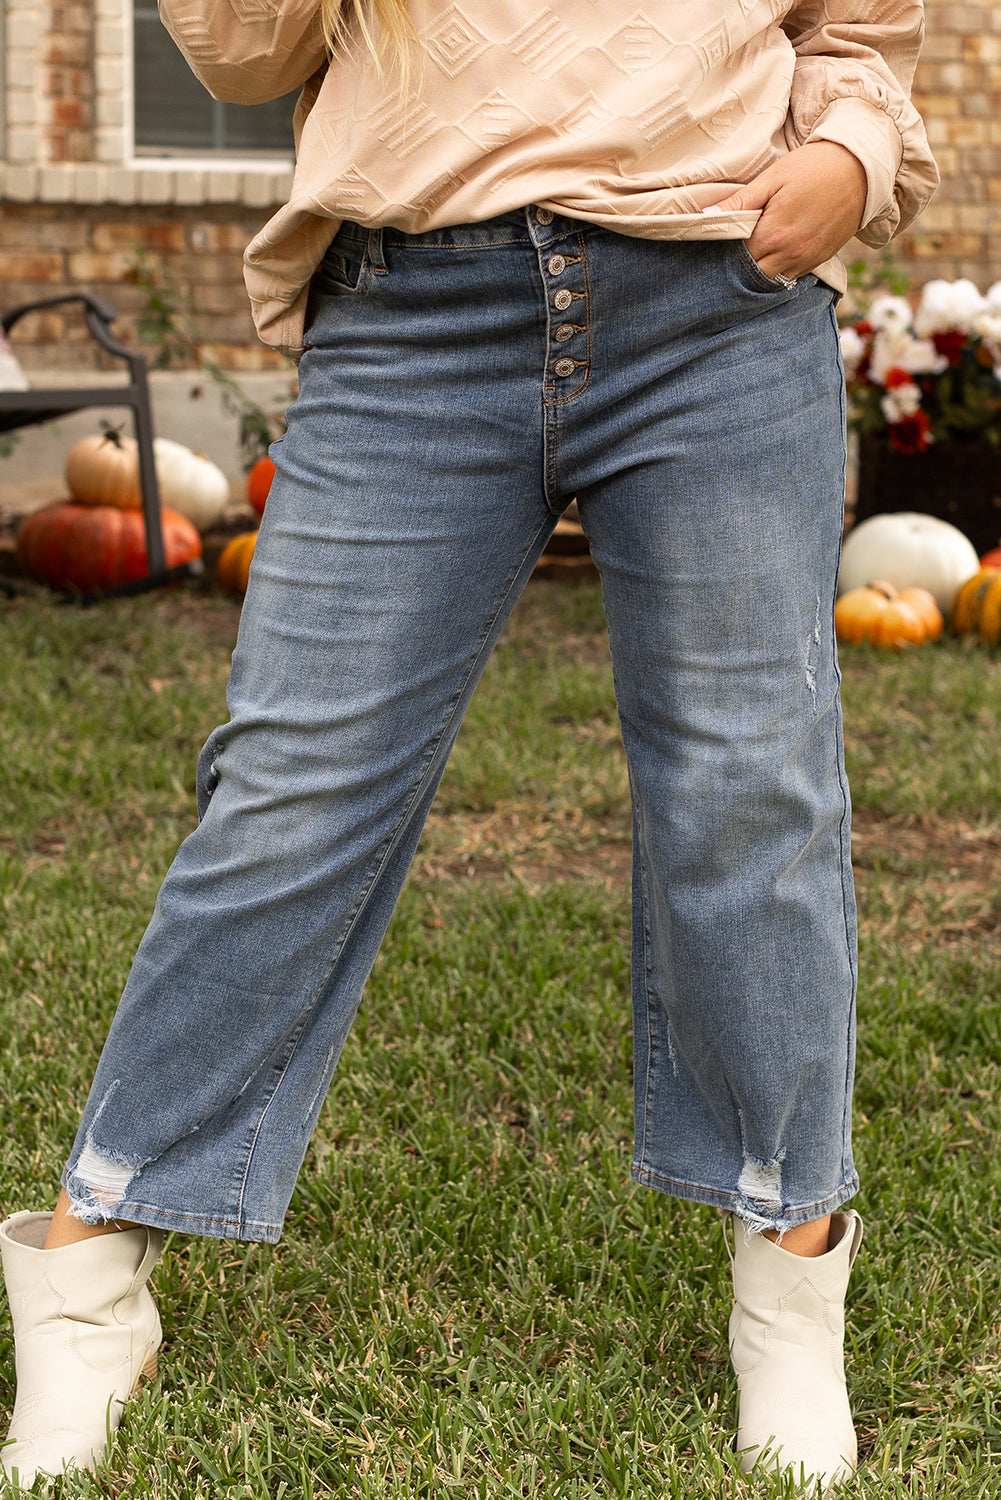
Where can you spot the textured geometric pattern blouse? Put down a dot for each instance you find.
(635, 116)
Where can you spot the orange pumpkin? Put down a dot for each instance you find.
(95, 547)
(977, 610)
(856, 612)
(898, 626)
(259, 483)
(924, 603)
(878, 614)
(234, 563)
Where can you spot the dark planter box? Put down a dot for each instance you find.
(957, 482)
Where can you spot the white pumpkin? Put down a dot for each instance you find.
(908, 550)
(190, 483)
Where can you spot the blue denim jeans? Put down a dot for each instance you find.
(459, 389)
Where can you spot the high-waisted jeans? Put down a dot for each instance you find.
(459, 389)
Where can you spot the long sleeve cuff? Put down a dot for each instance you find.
(869, 134)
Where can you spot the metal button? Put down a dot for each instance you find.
(564, 367)
(544, 216)
(556, 265)
(563, 299)
(564, 332)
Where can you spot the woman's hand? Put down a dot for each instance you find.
(811, 203)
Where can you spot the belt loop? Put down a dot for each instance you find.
(375, 256)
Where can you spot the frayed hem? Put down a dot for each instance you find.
(750, 1216)
(151, 1217)
(97, 1197)
(92, 1214)
(89, 1207)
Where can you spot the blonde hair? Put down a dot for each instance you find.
(384, 26)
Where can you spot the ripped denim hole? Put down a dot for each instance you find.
(104, 1181)
(811, 671)
(760, 1189)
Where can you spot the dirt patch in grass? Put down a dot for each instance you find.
(201, 611)
(606, 864)
(920, 881)
(942, 875)
(963, 850)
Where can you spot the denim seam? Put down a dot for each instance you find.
(551, 426)
(844, 833)
(380, 861)
(169, 1213)
(645, 907)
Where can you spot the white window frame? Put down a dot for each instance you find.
(116, 175)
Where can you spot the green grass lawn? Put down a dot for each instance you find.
(470, 1300)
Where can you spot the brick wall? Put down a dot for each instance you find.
(44, 251)
(68, 83)
(64, 105)
(958, 90)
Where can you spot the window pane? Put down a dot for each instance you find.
(173, 113)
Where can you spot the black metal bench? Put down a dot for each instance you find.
(29, 407)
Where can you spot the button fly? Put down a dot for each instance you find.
(564, 332)
(563, 299)
(564, 367)
(556, 265)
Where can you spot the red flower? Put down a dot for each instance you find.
(863, 329)
(950, 344)
(912, 434)
(897, 376)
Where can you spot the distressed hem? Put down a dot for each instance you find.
(734, 1203)
(220, 1227)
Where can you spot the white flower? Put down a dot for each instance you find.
(899, 351)
(993, 296)
(900, 402)
(988, 326)
(890, 313)
(946, 306)
(852, 350)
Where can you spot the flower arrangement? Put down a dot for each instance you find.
(928, 375)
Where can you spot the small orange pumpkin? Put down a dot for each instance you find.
(924, 603)
(878, 614)
(234, 563)
(898, 626)
(856, 612)
(259, 483)
(977, 610)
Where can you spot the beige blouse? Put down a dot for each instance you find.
(632, 114)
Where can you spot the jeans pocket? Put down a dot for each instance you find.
(754, 277)
(207, 771)
(346, 268)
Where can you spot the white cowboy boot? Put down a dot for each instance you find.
(85, 1331)
(787, 1345)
